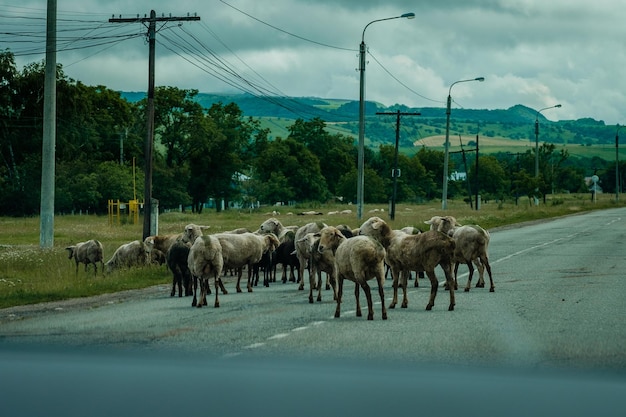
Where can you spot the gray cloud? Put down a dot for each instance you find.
(532, 52)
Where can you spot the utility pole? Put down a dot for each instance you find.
(477, 192)
(469, 184)
(46, 227)
(149, 142)
(396, 172)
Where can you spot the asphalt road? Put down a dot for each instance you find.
(560, 290)
(551, 339)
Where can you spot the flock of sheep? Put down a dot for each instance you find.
(358, 255)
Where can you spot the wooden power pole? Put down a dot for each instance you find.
(149, 142)
(396, 172)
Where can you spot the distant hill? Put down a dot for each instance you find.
(516, 122)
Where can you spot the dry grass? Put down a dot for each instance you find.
(29, 274)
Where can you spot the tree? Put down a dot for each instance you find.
(491, 176)
(296, 163)
(334, 152)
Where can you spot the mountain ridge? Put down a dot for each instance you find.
(517, 122)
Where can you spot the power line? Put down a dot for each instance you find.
(287, 32)
(400, 82)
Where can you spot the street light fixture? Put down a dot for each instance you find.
(537, 143)
(446, 157)
(361, 151)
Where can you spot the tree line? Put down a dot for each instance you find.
(219, 153)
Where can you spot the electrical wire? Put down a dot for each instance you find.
(28, 33)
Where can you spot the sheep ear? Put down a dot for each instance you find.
(205, 227)
(318, 234)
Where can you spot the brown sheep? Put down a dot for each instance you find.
(358, 259)
(89, 252)
(161, 242)
(205, 260)
(421, 252)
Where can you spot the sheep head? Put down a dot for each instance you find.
(270, 225)
(330, 238)
(71, 250)
(376, 228)
(192, 232)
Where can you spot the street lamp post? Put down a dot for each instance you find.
(537, 144)
(361, 151)
(617, 163)
(446, 155)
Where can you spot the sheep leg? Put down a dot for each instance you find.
(250, 278)
(394, 275)
(485, 262)
(333, 283)
(327, 281)
(218, 282)
(368, 296)
(405, 298)
(481, 273)
(433, 288)
(195, 291)
(174, 279)
(469, 278)
(319, 286)
(447, 269)
(381, 280)
(202, 301)
(206, 288)
(238, 287)
(418, 274)
(358, 302)
(339, 294)
(221, 284)
(312, 284)
(301, 287)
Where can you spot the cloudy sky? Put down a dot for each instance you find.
(532, 52)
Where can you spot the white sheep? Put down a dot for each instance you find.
(319, 262)
(472, 246)
(303, 250)
(89, 252)
(246, 249)
(192, 232)
(128, 255)
(205, 260)
(238, 249)
(420, 252)
(273, 225)
(442, 223)
(358, 259)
